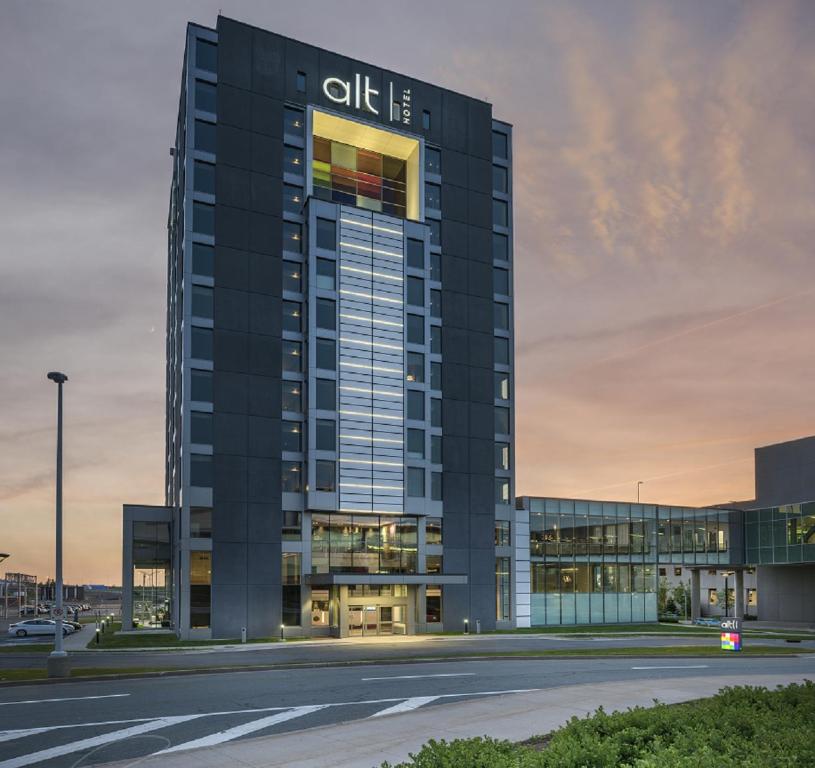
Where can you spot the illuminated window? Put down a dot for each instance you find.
(432, 160)
(294, 122)
(432, 196)
(291, 476)
(292, 199)
(292, 356)
(502, 386)
(292, 439)
(292, 396)
(292, 276)
(415, 367)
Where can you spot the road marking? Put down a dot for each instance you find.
(95, 741)
(73, 698)
(242, 730)
(417, 677)
(687, 666)
(406, 706)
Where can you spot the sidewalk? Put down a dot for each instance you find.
(363, 744)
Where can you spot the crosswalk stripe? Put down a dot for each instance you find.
(405, 706)
(241, 730)
(95, 741)
(21, 733)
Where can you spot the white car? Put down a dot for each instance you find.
(37, 627)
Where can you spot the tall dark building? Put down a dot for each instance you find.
(339, 354)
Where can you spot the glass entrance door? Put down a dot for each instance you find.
(368, 620)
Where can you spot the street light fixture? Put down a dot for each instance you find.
(58, 659)
(639, 483)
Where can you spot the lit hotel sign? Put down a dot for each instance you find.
(359, 94)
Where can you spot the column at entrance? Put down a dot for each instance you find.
(739, 593)
(695, 597)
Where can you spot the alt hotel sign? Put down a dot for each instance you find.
(359, 94)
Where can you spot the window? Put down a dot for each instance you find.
(500, 280)
(292, 396)
(291, 436)
(201, 301)
(433, 605)
(292, 237)
(292, 160)
(501, 351)
(432, 160)
(201, 428)
(300, 82)
(201, 343)
(203, 218)
(201, 470)
(206, 55)
(435, 412)
(205, 136)
(326, 275)
(292, 199)
(435, 267)
(432, 196)
(501, 490)
(500, 213)
(677, 571)
(435, 302)
(433, 529)
(200, 588)
(204, 178)
(326, 314)
(201, 386)
(204, 96)
(502, 455)
(435, 449)
(293, 122)
(415, 329)
(433, 563)
(435, 339)
(425, 119)
(292, 356)
(712, 597)
(499, 145)
(291, 476)
(435, 376)
(502, 421)
(292, 525)
(326, 435)
(502, 589)
(326, 234)
(201, 522)
(435, 231)
(326, 394)
(502, 386)
(502, 533)
(292, 316)
(415, 404)
(326, 354)
(663, 571)
(415, 367)
(324, 476)
(415, 291)
(500, 182)
(436, 486)
(290, 567)
(292, 276)
(415, 253)
(500, 246)
(415, 478)
(500, 315)
(203, 259)
(415, 443)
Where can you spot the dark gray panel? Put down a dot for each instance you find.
(265, 233)
(480, 314)
(479, 129)
(454, 167)
(268, 67)
(454, 121)
(231, 312)
(482, 459)
(482, 385)
(229, 521)
(264, 355)
(263, 566)
(229, 563)
(479, 175)
(265, 275)
(234, 53)
(231, 268)
(230, 391)
(265, 314)
(231, 350)
(266, 194)
(479, 209)
(264, 437)
(232, 186)
(263, 523)
(264, 610)
(234, 106)
(304, 58)
(454, 203)
(454, 271)
(454, 308)
(233, 146)
(480, 279)
(263, 480)
(454, 344)
(454, 381)
(481, 353)
(455, 457)
(264, 396)
(482, 490)
(479, 243)
(231, 225)
(456, 607)
(456, 560)
(454, 238)
(266, 154)
(454, 418)
(482, 420)
(229, 479)
(266, 115)
(230, 433)
(228, 610)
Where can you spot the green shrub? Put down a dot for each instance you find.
(741, 727)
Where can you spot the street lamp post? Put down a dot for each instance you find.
(639, 483)
(58, 659)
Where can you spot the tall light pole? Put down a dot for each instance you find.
(639, 483)
(58, 659)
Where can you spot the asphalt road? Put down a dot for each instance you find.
(94, 722)
(305, 652)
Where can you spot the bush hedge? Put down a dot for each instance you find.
(742, 727)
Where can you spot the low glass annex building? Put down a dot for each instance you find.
(598, 561)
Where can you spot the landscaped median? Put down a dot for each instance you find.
(738, 728)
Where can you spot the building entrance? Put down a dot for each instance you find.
(369, 620)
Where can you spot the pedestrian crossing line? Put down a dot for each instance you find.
(230, 734)
(21, 733)
(406, 706)
(96, 741)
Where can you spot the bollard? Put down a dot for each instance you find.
(478, 626)
(282, 628)
(97, 635)
(243, 634)
(466, 626)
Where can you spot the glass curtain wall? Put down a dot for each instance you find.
(780, 534)
(152, 584)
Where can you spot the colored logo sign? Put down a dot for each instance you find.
(731, 625)
(731, 641)
(360, 94)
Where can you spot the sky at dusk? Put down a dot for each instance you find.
(664, 187)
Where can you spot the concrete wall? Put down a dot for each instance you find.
(786, 593)
(785, 473)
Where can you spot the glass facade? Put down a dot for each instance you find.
(778, 535)
(152, 585)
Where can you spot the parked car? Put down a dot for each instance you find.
(71, 623)
(28, 610)
(37, 627)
